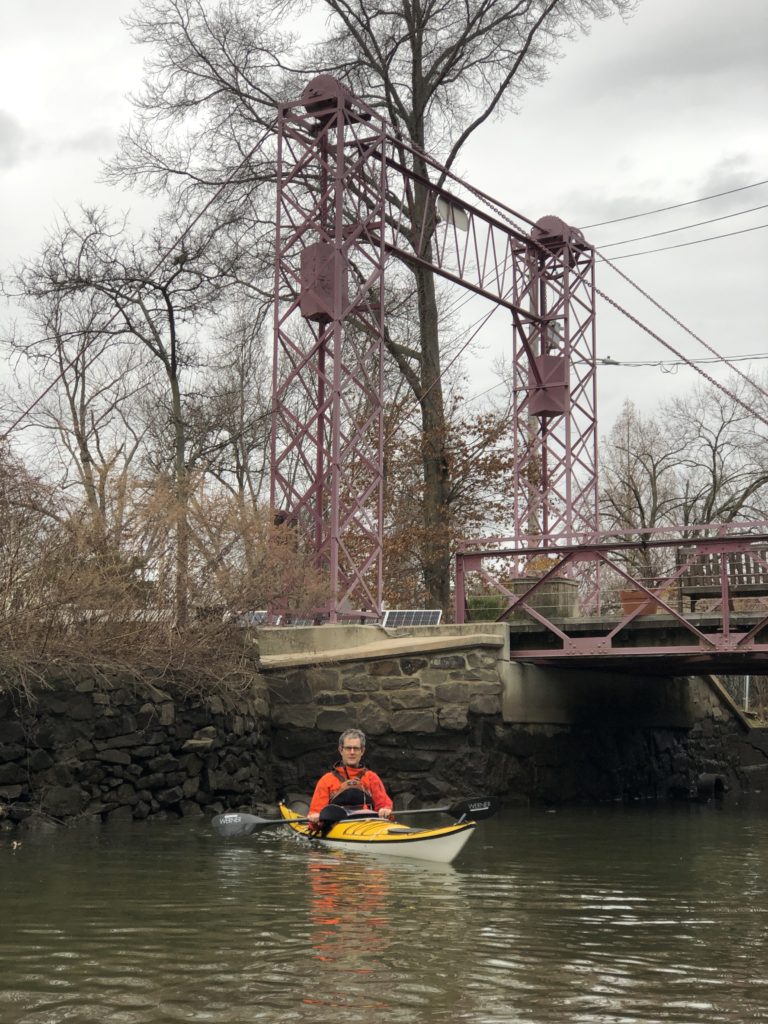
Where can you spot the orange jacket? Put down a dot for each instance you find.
(331, 783)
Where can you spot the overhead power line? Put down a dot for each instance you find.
(676, 320)
(675, 206)
(505, 215)
(611, 263)
(609, 361)
(747, 406)
(659, 363)
(682, 245)
(685, 227)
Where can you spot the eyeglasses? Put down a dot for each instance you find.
(352, 749)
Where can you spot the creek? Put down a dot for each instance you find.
(583, 915)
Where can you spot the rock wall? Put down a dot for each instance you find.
(437, 729)
(113, 746)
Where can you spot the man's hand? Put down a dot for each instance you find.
(314, 816)
(385, 812)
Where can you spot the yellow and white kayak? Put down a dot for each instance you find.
(379, 836)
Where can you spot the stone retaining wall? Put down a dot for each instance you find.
(111, 746)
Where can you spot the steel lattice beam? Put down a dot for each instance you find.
(327, 463)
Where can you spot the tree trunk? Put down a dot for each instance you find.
(436, 554)
(181, 511)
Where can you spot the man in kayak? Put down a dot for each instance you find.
(349, 783)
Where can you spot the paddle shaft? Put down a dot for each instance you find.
(235, 824)
(473, 807)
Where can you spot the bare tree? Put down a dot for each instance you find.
(83, 425)
(694, 461)
(230, 418)
(29, 517)
(640, 482)
(723, 466)
(157, 300)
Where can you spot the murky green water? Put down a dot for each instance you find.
(580, 916)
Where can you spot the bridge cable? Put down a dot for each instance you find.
(720, 387)
(686, 329)
(500, 209)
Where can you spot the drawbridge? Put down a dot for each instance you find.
(354, 202)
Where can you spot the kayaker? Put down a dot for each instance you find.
(349, 783)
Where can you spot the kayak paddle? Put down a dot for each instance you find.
(475, 807)
(235, 824)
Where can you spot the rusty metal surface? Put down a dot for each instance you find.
(706, 606)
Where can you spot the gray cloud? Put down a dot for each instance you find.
(688, 52)
(728, 173)
(11, 140)
(96, 140)
(731, 172)
(16, 146)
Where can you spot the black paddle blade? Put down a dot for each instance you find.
(477, 808)
(233, 825)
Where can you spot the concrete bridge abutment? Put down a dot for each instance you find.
(448, 711)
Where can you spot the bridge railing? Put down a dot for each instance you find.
(593, 593)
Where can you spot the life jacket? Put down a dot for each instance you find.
(352, 791)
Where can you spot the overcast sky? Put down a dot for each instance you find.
(662, 110)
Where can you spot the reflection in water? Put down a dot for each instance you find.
(350, 933)
(587, 916)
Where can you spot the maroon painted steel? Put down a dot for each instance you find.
(326, 465)
(555, 389)
(350, 195)
(725, 566)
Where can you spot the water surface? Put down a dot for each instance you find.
(625, 915)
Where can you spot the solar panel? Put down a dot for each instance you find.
(257, 618)
(412, 617)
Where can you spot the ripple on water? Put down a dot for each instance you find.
(585, 916)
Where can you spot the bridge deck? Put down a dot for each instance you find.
(695, 602)
(657, 643)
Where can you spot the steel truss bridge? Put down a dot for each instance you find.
(704, 609)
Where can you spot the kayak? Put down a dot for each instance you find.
(366, 834)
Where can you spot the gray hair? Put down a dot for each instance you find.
(352, 734)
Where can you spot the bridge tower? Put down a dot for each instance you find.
(554, 391)
(348, 198)
(327, 423)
